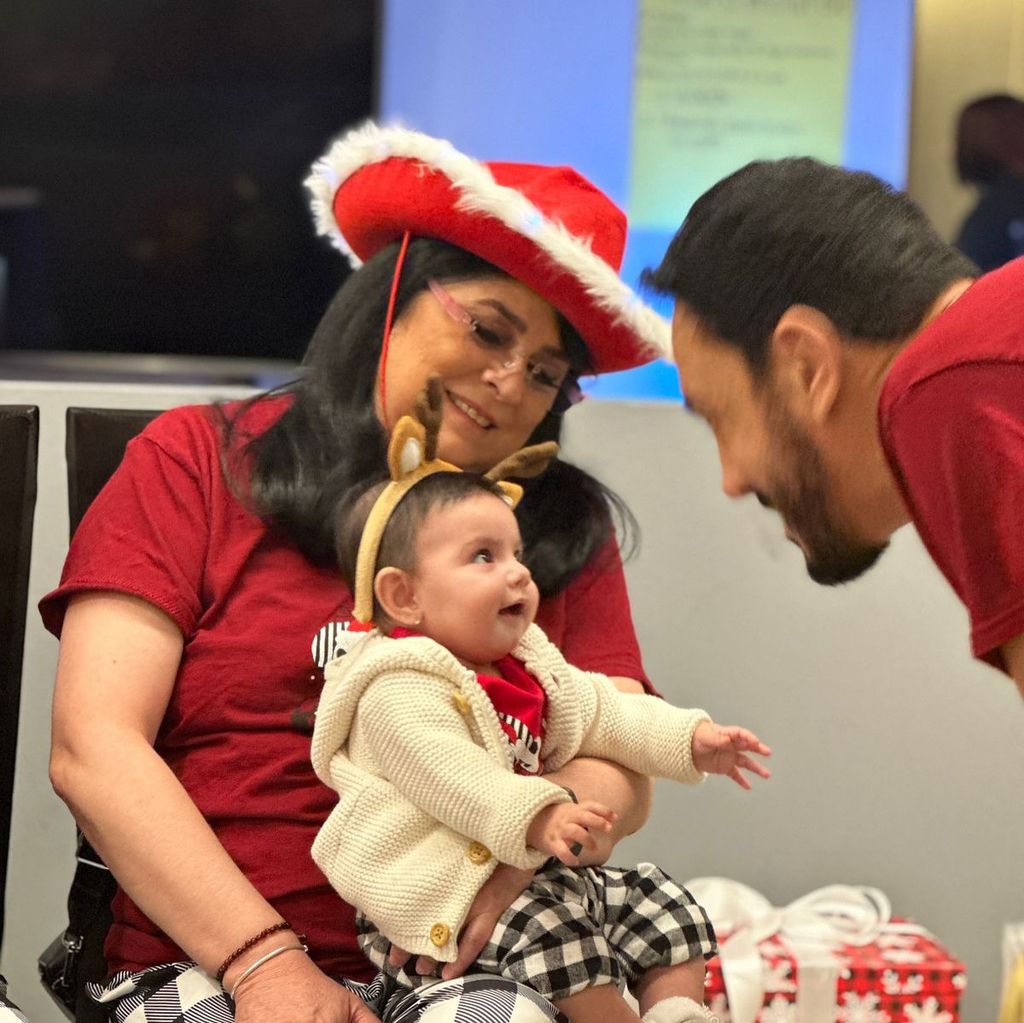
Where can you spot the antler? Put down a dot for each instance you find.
(412, 455)
(428, 411)
(524, 463)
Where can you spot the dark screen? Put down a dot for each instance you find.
(152, 154)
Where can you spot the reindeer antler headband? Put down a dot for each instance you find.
(412, 456)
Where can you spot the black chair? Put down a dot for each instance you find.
(94, 445)
(19, 452)
(95, 440)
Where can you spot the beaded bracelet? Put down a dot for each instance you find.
(253, 967)
(281, 925)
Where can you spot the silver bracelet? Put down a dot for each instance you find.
(253, 967)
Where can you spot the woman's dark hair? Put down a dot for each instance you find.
(990, 139)
(328, 441)
(797, 231)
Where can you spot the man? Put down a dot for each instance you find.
(857, 377)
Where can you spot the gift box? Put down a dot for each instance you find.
(835, 956)
(1011, 1008)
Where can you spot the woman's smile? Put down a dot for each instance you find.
(491, 409)
(473, 412)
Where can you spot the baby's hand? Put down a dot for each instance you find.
(564, 829)
(722, 749)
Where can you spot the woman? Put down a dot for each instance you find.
(200, 602)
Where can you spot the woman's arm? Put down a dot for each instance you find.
(424, 746)
(591, 624)
(118, 663)
(626, 792)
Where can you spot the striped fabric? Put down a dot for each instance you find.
(183, 993)
(9, 1012)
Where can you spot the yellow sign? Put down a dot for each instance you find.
(721, 82)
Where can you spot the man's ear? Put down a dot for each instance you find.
(395, 591)
(807, 362)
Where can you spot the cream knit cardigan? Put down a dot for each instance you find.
(429, 802)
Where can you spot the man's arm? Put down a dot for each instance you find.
(1013, 655)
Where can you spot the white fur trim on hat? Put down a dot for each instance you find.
(373, 143)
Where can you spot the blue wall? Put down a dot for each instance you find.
(552, 82)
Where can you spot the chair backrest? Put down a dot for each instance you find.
(19, 452)
(95, 439)
(95, 443)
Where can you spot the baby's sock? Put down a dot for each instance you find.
(678, 1010)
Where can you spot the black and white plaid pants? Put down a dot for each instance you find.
(183, 993)
(578, 927)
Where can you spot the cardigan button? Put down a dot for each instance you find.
(461, 702)
(478, 852)
(439, 935)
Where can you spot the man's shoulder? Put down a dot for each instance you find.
(984, 325)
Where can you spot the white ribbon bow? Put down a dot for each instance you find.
(813, 927)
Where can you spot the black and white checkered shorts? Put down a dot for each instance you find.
(183, 993)
(578, 927)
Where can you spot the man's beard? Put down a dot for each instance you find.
(799, 492)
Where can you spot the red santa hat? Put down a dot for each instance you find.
(548, 227)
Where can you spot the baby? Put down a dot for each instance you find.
(437, 729)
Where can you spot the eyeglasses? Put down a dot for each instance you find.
(500, 344)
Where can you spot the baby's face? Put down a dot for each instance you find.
(475, 595)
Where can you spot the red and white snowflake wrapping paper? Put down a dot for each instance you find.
(904, 976)
(834, 955)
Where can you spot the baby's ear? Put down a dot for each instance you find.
(395, 591)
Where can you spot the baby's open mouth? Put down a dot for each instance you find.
(513, 609)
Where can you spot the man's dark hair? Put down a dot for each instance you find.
(798, 231)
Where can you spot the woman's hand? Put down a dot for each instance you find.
(625, 792)
(291, 989)
(500, 890)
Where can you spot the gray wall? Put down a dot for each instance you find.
(898, 761)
